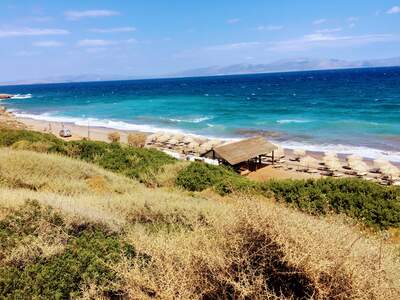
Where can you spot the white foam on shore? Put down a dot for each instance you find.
(93, 122)
(195, 120)
(22, 96)
(345, 149)
(120, 125)
(289, 121)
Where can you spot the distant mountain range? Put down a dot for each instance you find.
(70, 78)
(298, 64)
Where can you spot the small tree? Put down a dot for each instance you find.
(136, 140)
(114, 137)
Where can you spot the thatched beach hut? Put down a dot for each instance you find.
(244, 154)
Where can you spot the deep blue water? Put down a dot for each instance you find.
(351, 110)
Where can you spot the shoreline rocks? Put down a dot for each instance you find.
(5, 96)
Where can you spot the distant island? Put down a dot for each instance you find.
(288, 65)
(299, 64)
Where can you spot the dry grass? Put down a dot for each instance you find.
(136, 140)
(114, 137)
(200, 248)
(40, 172)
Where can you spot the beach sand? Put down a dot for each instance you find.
(101, 134)
(78, 132)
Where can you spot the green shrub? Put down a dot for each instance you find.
(90, 254)
(375, 205)
(142, 164)
(199, 176)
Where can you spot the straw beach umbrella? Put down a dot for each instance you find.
(280, 152)
(333, 164)
(201, 140)
(380, 162)
(193, 146)
(159, 133)
(215, 143)
(173, 141)
(360, 167)
(163, 138)
(299, 153)
(187, 139)
(178, 137)
(151, 138)
(309, 162)
(390, 170)
(330, 154)
(354, 157)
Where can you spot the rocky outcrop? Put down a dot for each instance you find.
(5, 96)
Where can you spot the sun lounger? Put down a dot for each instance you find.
(338, 175)
(277, 166)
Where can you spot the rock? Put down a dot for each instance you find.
(5, 96)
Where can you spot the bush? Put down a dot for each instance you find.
(88, 258)
(142, 164)
(373, 204)
(137, 140)
(200, 176)
(114, 137)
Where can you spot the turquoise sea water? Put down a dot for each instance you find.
(352, 111)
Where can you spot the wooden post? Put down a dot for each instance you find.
(273, 157)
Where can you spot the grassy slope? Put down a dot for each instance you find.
(114, 236)
(374, 205)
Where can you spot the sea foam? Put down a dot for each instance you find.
(22, 96)
(120, 125)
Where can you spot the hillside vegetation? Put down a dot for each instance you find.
(166, 244)
(71, 229)
(374, 205)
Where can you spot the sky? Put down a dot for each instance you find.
(46, 38)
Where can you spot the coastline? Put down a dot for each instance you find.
(78, 131)
(100, 133)
(286, 169)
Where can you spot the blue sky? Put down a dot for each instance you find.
(52, 38)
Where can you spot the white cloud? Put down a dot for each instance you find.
(352, 19)
(95, 43)
(38, 19)
(329, 30)
(96, 50)
(319, 21)
(113, 30)
(394, 10)
(103, 43)
(25, 53)
(233, 46)
(31, 32)
(233, 21)
(48, 44)
(318, 40)
(76, 15)
(270, 27)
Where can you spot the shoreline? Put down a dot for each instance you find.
(79, 132)
(368, 153)
(285, 168)
(100, 133)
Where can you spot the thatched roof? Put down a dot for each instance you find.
(237, 152)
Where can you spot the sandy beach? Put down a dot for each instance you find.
(78, 132)
(288, 168)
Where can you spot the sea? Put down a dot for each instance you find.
(349, 111)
